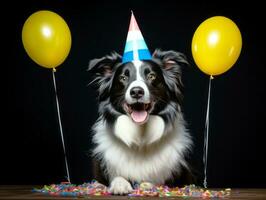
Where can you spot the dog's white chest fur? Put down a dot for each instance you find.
(141, 153)
(133, 134)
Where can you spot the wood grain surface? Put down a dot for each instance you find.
(25, 192)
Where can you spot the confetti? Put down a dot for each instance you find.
(145, 189)
(92, 188)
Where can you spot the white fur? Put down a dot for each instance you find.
(119, 185)
(139, 135)
(137, 64)
(141, 153)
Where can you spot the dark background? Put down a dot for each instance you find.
(31, 148)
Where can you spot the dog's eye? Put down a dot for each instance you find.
(151, 76)
(123, 78)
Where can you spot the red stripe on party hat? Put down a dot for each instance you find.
(133, 26)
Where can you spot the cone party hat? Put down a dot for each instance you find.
(135, 48)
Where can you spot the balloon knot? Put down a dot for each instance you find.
(211, 77)
(54, 70)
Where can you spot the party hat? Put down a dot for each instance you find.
(135, 48)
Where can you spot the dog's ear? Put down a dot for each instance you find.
(171, 62)
(102, 70)
(103, 67)
(170, 59)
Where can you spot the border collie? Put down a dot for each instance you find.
(140, 135)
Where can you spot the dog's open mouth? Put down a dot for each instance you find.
(139, 112)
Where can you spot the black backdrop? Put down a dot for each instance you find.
(31, 148)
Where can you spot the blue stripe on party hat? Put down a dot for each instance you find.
(135, 48)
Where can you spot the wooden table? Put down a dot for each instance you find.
(24, 192)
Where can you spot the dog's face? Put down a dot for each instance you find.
(139, 88)
(136, 88)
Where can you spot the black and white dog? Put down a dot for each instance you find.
(140, 135)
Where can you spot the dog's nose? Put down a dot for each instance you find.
(136, 92)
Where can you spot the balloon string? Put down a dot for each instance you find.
(206, 135)
(60, 126)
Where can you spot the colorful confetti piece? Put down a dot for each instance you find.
(94, 188)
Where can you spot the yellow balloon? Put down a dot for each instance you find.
(46, 38)
(216, 45)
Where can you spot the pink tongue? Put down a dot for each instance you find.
(139, 116)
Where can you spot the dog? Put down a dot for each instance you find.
(141, 134)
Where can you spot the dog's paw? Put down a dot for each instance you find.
(120, 186)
